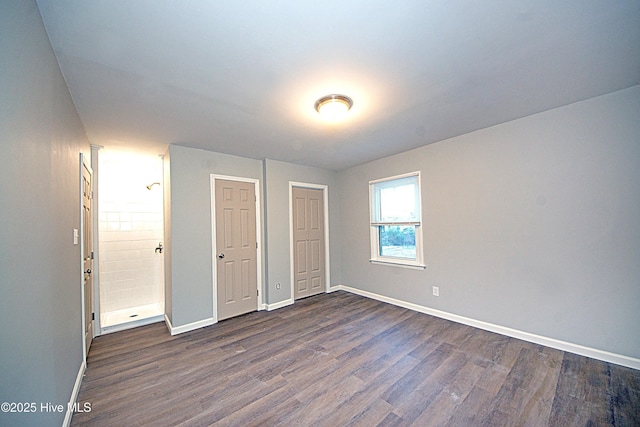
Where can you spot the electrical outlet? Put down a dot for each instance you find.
(436, 291)
(278, 285)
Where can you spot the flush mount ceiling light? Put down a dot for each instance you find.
(333, 107)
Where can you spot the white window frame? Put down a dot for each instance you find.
(375, 225)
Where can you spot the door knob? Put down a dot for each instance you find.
(220, 255)
(87, 271)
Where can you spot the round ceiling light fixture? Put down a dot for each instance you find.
(333, 107)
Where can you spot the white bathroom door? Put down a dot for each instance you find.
(87, 255)
(236, 248)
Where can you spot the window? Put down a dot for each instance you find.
(396, 236)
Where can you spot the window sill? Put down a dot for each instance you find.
(399, 263)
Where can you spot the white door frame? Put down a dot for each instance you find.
(214, 263)
(325, 207)
(83, 165)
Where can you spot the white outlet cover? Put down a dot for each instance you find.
(436, 291)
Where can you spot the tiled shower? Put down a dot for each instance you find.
(130, 229)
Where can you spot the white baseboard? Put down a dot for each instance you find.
(593, 353)
(290, 301)
(74, 395)
(279, 304)
(188, 327)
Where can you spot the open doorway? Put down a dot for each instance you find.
(131, 232)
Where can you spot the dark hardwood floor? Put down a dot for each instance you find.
(340, 359)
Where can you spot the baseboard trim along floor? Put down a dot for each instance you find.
(605, 356)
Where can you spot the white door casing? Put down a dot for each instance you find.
(325, 219)
(308, 241)
(86, 250)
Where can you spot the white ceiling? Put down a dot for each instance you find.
(241, 77)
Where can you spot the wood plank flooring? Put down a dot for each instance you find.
(343, 360)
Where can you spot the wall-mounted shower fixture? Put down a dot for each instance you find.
(151, 185)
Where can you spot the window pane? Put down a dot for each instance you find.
(395, 200)
(398, 241)
(398, 203)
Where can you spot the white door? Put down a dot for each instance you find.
(236, 248)
(308, 242)
(87, 255)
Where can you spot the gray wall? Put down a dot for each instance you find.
(188, 237)
(277, 177)
(532, 224)
(188, 256)
(40, 137)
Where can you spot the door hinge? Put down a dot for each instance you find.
(91, 254)
(91, 195)
(93, 316)
(257, 293)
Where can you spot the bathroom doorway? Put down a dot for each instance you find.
(131, 232)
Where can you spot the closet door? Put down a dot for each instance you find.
(308, 235)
